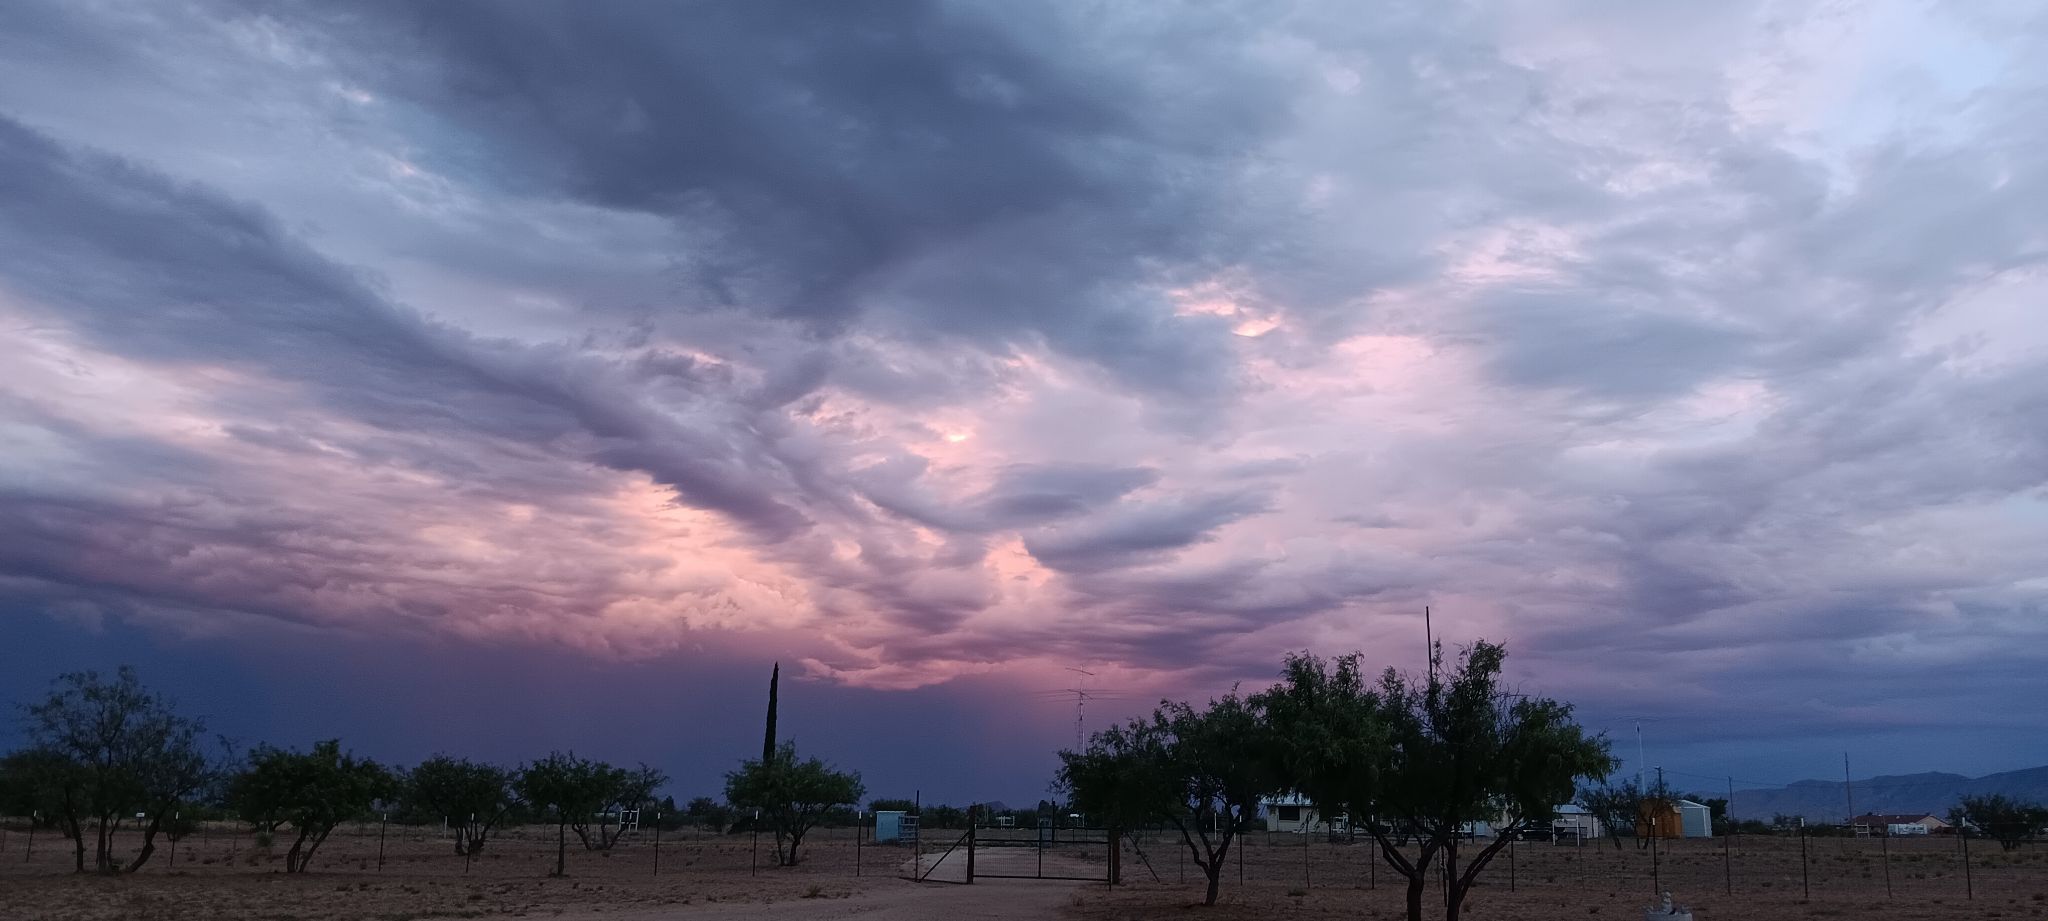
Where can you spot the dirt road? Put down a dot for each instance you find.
(895, 900)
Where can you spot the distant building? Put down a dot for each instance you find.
(1696, 819)
(892, 826)
(1290, 813)
(1659, 818)
(1574, 823)
(1872, 823)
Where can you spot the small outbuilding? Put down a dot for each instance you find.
(1290, 813)
(1659, 818)
(893, 826)
(1696, 820)
(1574, 823)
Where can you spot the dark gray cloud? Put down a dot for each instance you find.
(942, 163)
(920, 340)
(1140, 529)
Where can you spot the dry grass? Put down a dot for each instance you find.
(1847, 881)
(225, 876)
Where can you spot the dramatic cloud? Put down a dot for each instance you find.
(1697, 350)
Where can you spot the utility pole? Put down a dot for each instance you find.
(1848, 788)
(1639, 755)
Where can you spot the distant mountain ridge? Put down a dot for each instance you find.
(1822, 801)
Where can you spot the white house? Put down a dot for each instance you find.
(1292, 813)
(1574, 823)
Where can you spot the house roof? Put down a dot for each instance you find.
(1894, 818)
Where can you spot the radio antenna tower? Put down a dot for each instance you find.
(1080, 707)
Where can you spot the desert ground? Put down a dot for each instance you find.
(223, 874)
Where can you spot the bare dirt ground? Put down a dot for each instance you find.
(1284, 880)
(224, 875)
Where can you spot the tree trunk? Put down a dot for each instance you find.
(294, 862)
(77, 841)
(1215, 871)
(562, 847)
(319, 838)
(1415, 894)
(156, 824)
(103, 844)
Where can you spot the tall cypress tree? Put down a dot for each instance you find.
(768, 741)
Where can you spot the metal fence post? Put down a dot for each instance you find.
(657, 844)
(1885, 844)
(382, 819)
(1969, 886)
(1728, 842)
(1305, 835)
(1805, 873)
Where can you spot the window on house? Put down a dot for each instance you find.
(1290, 813)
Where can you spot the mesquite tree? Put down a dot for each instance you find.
(621, 789)
(1201, 770)
(1329, 738)
(584, 796)
(793, 795)
(1463, 751)
(105, 750)
(2008, 821)
(313, 791)
(473, 797)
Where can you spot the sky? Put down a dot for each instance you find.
(499, 377)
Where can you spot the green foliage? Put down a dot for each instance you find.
(1329, 738)
(621, 788)
(704, 810)
(792, 795)
(312, 791)
(473, 797)
(943, 816)
(1203, 771)
(1465, 751)
(570, 791)
(34, 782)
(104, 750)
(2010, 822)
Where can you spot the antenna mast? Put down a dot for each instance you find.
(1848, 787)
(1080, 705)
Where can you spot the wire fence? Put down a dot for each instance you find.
(1742, 868)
